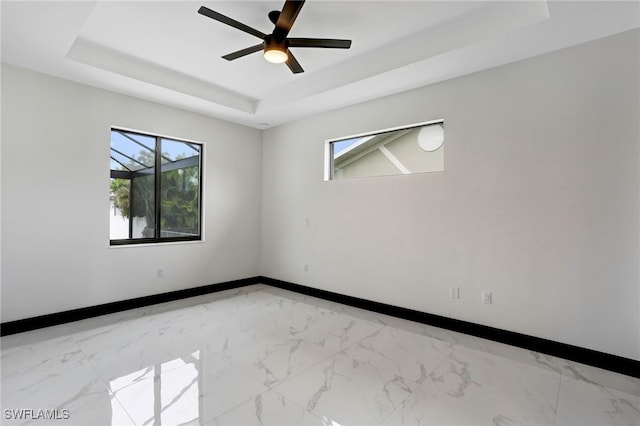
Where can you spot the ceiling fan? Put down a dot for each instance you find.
(276, 45)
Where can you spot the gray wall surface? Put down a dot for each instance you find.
(538, 202)
(55, 199)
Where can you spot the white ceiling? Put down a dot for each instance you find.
(166, 52)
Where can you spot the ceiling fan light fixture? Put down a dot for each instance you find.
(275, 54)
(275, 46)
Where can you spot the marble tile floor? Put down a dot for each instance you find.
(264, 356)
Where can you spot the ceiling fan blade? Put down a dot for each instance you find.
(330, 43)
(293, 63)
(243, 52)
(287, 17)
(231, 22)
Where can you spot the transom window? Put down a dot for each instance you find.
(156, 189)
(417, 148)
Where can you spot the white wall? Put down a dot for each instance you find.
(55, 199)
(538, 203)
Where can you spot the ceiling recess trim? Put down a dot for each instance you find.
(90, 53)
(459, 32)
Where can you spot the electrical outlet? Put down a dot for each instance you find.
(486, 297)
(455, 292)
(306, 267)
(160, 273)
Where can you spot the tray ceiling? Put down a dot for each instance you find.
(166, 52)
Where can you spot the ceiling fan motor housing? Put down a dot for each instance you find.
(270, 42)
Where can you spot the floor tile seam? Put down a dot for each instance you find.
(394, 372)
(272, 386)
(486, 389)
(69, 348)
(289, 336)
(167, 326)
(355, 312)
(201, 421)
(517, 365)
(284, 337)
(87, 359)
(531, 361)
(112, 349)
(532, 367)
(442, 361)
(555, 414)
(398, 406)
(119, 324)
(245, 374)
(125, 406)
(332, 354)
(122, 406)
(194, 343)
(164, 318)
(20, 341)
(167, 370)
(570, 372)
(275, 386)
(616, 393)
(292, 402)
(472, 406)
(554, 403)
(8, 351)
(102, 379)
(199, 301)
(229, 348)
(534, 360)
(434, 341)
(215, 418)
(353, 344)
(478, 352)
(105, 380)
(126, 411)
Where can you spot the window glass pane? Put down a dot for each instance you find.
(132, 151)
(180, 189)
(175, 150)
(117, 163)
(340, 147)
(413, 149)
(143, 211)
(119, 209)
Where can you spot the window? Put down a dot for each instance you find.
(156, 189)
(417, 148)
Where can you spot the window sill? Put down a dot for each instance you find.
(162, 244)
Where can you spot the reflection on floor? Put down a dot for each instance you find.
(264, 356)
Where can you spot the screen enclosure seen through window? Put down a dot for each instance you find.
(417, 148)
(156, 189)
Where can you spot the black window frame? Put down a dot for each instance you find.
(157, 172)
